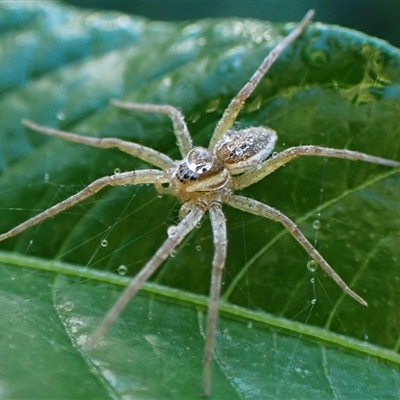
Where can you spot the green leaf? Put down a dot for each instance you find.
(334, 87)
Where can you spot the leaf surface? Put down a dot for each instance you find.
(334, 87)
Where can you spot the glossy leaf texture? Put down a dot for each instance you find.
(334, 87)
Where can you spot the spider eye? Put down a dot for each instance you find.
(242, 150)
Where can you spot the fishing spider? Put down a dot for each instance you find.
(202, 181)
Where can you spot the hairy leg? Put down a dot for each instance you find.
(220, 245)
(257, 208)
(181, 231)
(137, 150)
(237, 102)
(124, 178)
(178, 122)
(282, 158)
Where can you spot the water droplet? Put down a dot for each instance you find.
(159, 195)
(250, 325)
(198, 225)
(104, 243)
(68, 306)
(171, 231)
(61, 116)
(313, 301)
(122, 269)
(316, 224)
(198, 248)
(172, 254)
(46, 177)
(117, 171)
(199, 160)
(238, 151)
(312, 266)
(312, 280)
(274, 154)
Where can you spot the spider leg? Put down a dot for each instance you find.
(142, 152)
(236, 104)
(124, 178)
(181, 231)
(257, 208)
(181, 131)
(220, 245)
(275, 162)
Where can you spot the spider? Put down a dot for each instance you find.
(202, 181)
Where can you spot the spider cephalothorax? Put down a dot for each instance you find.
(202, 181)
(198, 172)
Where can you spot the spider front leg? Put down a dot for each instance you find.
(124, 178)
(178, 122)
(236, 104)
(276, 161)
(257, 208)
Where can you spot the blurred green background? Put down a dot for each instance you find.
(376, 18)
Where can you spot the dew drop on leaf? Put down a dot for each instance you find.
(122, 269)
(312, 266)
(316, 224)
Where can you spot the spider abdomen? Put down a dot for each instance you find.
(244, 149)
